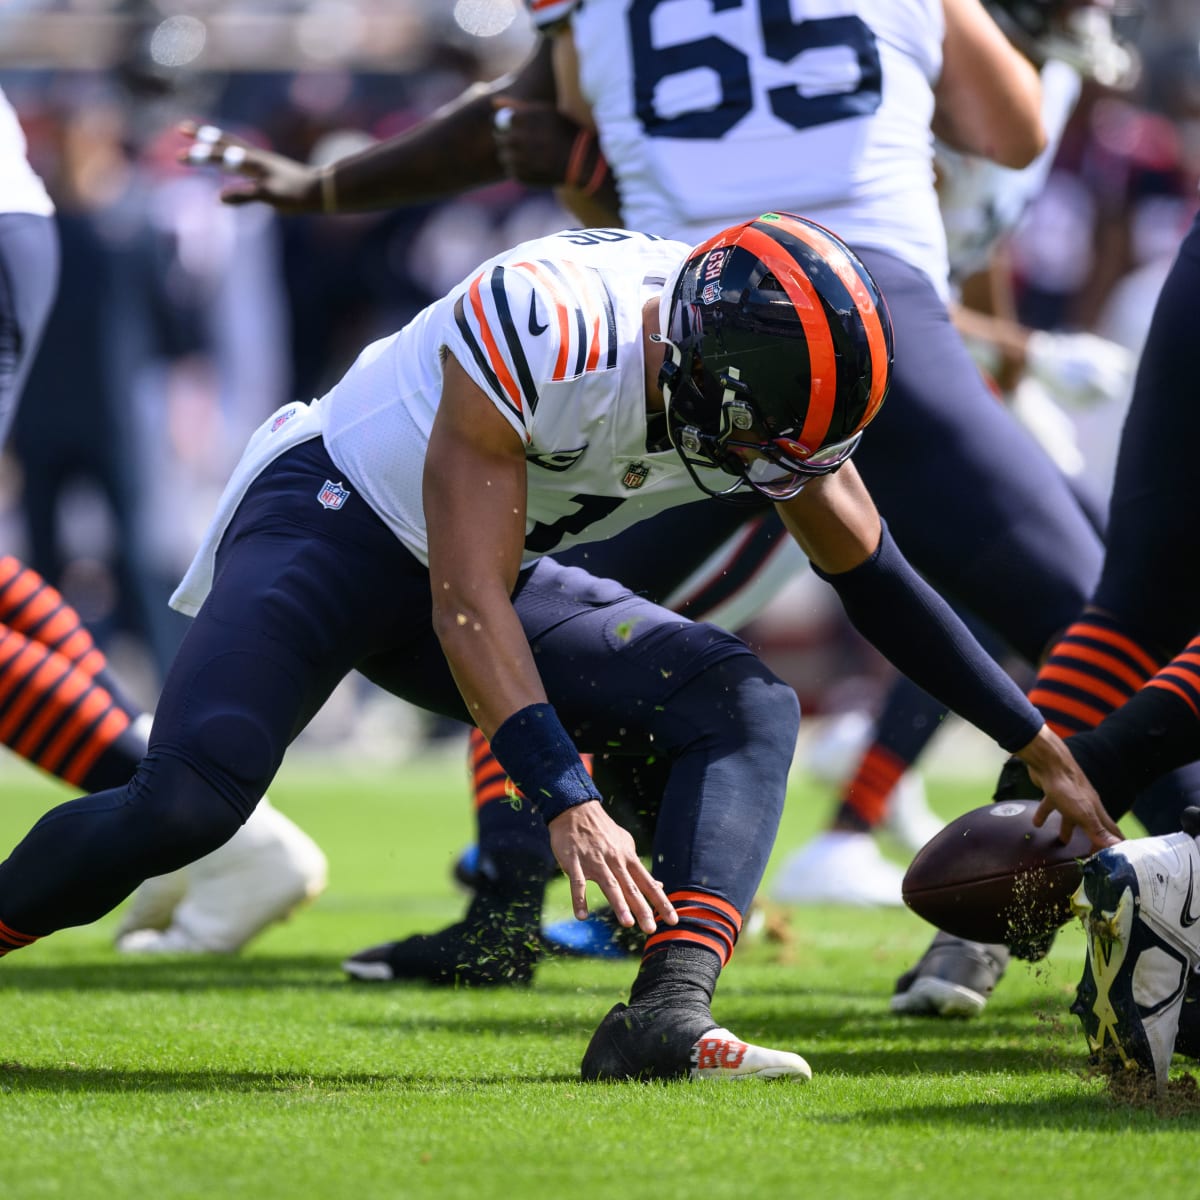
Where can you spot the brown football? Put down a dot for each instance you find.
(992, 876)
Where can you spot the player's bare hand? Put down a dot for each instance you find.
(1067, 790)
(589, 844)
(533, 141)
(262, 175)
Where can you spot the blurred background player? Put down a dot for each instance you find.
(60, 707)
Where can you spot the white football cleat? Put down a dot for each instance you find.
(720, 1055)
(1141, 912)
(267, 870)
(839, 868)
(639, 1044)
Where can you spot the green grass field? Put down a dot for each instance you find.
(269, 1075)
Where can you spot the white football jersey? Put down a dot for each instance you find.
(711, 113)
(551, 332)
(21, 191)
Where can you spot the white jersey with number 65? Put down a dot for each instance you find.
(712, 111)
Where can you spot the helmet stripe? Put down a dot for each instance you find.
(823, 371)
(814, 236)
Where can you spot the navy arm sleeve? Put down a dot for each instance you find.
(918, 632)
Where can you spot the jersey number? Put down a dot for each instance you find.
(543, 538)
(784, 39)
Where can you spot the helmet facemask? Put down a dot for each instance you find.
(732, 434)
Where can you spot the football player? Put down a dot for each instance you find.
(1124, 684)
(60, 707)
(688, 142)
(402, 526)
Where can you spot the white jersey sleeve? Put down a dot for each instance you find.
(530, 321)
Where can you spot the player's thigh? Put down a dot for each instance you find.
(1151, 575)
(973, 501)
(622, 671)
(290, 613)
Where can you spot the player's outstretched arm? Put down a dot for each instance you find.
(453, 151)
(474, 492)
(835, 522)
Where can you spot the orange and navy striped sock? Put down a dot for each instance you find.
(32, 607)
(56, 715)
(1156, 731)
(11, 940)
(1092, 670)
(705, 920)
(865, 796)
(1182, 677)
(489, 782)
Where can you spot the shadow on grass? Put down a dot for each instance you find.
(171, 974)
(14, 1077)
(1094, 1111)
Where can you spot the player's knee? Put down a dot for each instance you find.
(233, 750)
(772, 710)
(749, 709)
(189, 815)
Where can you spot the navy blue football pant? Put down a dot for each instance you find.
(302, 596)
(1151, 576)
(29, 261)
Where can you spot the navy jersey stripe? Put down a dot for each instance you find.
(610, 316)
(513, 339)
(464, 327)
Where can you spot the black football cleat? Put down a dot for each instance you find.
(465, 954)
(679, 1044)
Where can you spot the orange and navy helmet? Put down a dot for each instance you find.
(779, 353)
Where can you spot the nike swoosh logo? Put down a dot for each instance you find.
(534, 327)
(1185, 915)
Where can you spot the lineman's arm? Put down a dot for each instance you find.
(988, 99)
(474, 489)
(450, 152)
(836, 524)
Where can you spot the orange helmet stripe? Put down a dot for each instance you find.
(823, 374)
(812, 235)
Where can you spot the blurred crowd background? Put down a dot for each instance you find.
(182, 322)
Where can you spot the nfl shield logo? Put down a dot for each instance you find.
(636, 475)
(333, 495)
